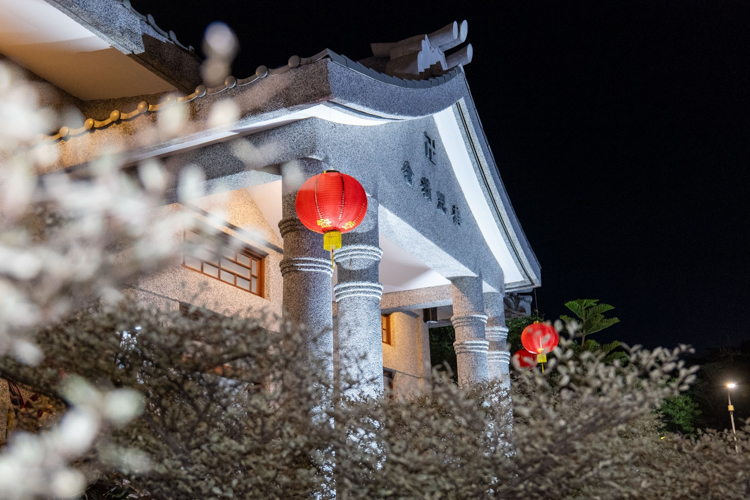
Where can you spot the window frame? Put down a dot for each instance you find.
(385, 329)
(223, 247)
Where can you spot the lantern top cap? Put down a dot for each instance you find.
(731, 385)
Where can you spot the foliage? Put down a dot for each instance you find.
(36, 465)
(65, 239)
(232, 409)
(147, 403)
(590, 316)
(217, 391)
(110, 489)
(442, 353)
(516, 326)
(679, 413)
(611, 351)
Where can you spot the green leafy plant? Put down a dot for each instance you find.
(610, 351)
(442, 353)
(590, 316)
(679, 414)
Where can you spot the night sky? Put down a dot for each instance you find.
(621, 130)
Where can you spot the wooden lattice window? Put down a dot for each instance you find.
(241, 268)
(385, 328)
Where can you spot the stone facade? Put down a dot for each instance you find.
(416, 144)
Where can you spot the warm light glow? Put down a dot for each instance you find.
(731, 385)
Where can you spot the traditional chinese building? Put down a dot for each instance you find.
(440, 241)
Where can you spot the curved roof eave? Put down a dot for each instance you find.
(331, 80)
(405, 102)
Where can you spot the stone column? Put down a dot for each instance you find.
(357, 295)
(468, 322)
(498, 357)
(306, 266)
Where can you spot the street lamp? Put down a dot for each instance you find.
(730, 386)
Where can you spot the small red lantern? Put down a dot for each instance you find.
(331, 203)
(540, 339)
(524, 360)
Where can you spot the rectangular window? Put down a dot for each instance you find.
(242, 269)
(385, 328)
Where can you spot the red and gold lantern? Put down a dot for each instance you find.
(524, 360)
(331, 203)
(540, 339)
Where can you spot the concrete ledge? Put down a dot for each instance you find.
(421, 298)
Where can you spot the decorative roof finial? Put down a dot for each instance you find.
(423, 55)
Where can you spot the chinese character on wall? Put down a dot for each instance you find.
(424, 185)
(429, 148)
(441, 202)
(407, 172)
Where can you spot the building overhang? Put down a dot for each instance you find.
(95, 50)
(334, 89)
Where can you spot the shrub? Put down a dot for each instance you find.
(232, 409)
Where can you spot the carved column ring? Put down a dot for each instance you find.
(471, 346)
(357, 289)
(502, 357)
(358, 256)
(496, 333)
(305, 264)
(291, 224)
(471, 319)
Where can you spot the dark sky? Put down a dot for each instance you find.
(621, 130)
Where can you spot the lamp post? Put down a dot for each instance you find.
(730, 386)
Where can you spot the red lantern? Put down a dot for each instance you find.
(331, 203)
(540, 339)
(524, 360)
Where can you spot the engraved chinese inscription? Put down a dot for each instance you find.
(441, 202)
(429, 148)
(456, 213)
(424, 185)
(407, 172)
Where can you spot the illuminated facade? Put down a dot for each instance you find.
(440, 242)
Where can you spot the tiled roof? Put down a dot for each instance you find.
(91, 124)
(149, 19)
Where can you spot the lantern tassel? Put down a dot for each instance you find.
(541, 358)
(332, 241)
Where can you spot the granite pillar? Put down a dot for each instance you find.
(468, 322)
(496, 333)
(306, 267)
(357, 295)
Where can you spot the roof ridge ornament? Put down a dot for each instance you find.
(423, 56)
